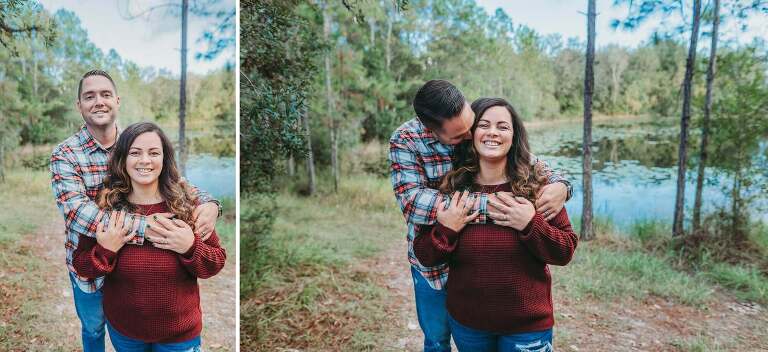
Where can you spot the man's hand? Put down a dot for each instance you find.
(173, 234)
(116, 234)
(506, 210)
(551, 199)
(205, 216)
(457, 214)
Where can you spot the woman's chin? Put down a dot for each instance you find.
(494, 155)
(144, 180)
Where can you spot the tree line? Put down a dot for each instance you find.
(323, 76)
(41, 65)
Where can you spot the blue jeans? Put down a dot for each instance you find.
(91, 314)
(471, 340)
(433, 316)
(124, 343)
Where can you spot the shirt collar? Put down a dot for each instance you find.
(428, 135)
(90, 144)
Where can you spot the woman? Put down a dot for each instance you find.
(499, 287)
(151, 296)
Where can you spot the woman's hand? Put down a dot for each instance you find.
(458, 212)
(514, 212)
(116, 234)
(174, 235)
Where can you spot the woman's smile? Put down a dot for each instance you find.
(493, 135)
(145, 159)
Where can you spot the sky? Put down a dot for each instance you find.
(568, 18)
(155, 41)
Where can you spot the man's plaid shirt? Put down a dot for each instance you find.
(78, 168)
(418, 161)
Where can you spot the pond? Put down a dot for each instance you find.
(634, 169)
(211, 162)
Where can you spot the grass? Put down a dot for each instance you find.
(27, 203)
(309, 281)
(605, 272)
(744, 282)
(25, 194)
(309, 275)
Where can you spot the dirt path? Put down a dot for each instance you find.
(62, 327)
(654, 324)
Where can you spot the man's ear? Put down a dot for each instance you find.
(117, 100)
(77, 104)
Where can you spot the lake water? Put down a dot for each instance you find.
(211, 162)
(212, 173)
(634, 169)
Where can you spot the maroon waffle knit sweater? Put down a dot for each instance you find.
(151, 294)
(499, 280)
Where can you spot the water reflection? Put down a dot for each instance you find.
(634, 169)
(210, 164)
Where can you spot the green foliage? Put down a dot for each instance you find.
(378, 62)
(278, 48)
(39, 79)
(739, 128)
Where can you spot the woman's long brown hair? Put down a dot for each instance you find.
(525, 178)
(117, 185)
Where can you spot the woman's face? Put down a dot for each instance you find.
(145, 159)
(493, 135)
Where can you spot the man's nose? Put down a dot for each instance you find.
(468, 135)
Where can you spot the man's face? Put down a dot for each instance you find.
(457, 128)
(98, 102)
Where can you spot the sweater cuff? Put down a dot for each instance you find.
(445, 231)
(535, 222)
(105, 253)
(190, 253)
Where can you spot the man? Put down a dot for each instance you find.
(421, 152)
(78, 168)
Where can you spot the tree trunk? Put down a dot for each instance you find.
(291, 166)
(705, 123)
(329, 95)
(2, 161)
(677, 227)
(310, 153)
(388, 52)
(587, 229)
(183, 90)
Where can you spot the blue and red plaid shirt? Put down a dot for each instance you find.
(78, 168)
(418, 160)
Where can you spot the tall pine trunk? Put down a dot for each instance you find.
(388, 47)
(183, 90)
(587, 229)
(329, 98)
(705, 124)
(310, 153)
(677, 227)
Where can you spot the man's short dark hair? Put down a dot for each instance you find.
(437, 101)
(94, 73)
